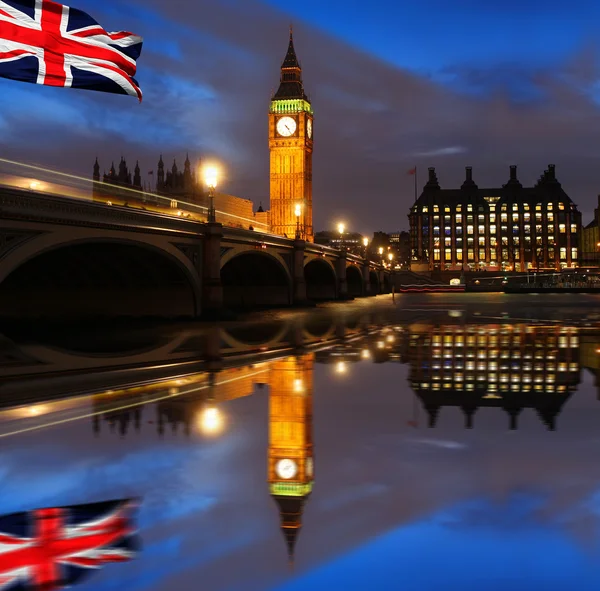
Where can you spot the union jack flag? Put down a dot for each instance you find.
(44, 42)
(49, 549)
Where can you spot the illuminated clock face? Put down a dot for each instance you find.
(286, 469)
(286, 126)
(309, 467)
(309, 128)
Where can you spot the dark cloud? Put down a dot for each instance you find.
(208, 70)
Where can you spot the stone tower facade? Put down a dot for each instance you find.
(291, 149)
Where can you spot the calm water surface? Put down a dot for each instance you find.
(434, 442)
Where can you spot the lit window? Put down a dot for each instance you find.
(436, 254)
(493, 255)
(516, 240)
(550, 229)
(563, 253)
(538, 228)
(492, 218)
(492, 229)
(492, 208)
(550, 206)
(447, 209)
(458, 208)
(448, 255)
(527, 229)
(482, 254)
(504, 217)
(538, 207)
(436, 209)
(515, 217)
(436, 230)
(425, 209)
(446, 219)
(469, 229)
(470, 254)
(515, 207)
(526, 207)
(481, 229)
(562, 228)
(459, 254)
(469, 208)
(573, 228)
(482, 241)
(561, 206)
(458, 218)
(574, 254)
(550, 216)
(447, 241)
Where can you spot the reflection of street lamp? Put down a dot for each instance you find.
(390, 258)
(366, 245)
(211, 421)
(298, 213)
(210, 178)
(341, 368)
(598, 254)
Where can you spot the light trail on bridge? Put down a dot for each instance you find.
(42, 181)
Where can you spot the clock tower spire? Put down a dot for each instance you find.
(291, 147)
(290, 442)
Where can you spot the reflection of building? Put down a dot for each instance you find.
(291, 469)
(291, 146)
(511, 227)
(510, 367)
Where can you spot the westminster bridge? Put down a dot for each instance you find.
(61, 256)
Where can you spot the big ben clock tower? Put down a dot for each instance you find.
(291, 147)
(291, 468)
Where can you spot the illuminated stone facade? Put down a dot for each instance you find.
(291, 148)
(512, 228)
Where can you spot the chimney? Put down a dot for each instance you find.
(469, 171)
(432, 178)
(551, 172)
(513, 173)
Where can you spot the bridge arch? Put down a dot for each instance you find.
(320, 279)
(254, 278)
(355, 281)
(57, 276)
(374, 282)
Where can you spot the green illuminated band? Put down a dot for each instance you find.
(291, 489)
(291, 106)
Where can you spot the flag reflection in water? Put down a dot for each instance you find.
(54, 548)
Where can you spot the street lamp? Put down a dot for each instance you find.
(298, 213)
(341, 229)
(210, 179)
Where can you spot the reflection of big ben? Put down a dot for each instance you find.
(291, 146)
(290, 441)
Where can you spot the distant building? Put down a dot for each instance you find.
(400, 243)
(178, 188)
(510, 228)
(589, 255)
(349, 241)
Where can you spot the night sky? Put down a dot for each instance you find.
(444, 83)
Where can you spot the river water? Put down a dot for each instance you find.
(440, 441)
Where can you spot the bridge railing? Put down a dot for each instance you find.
(45, 181)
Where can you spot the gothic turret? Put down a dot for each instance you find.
(137, 178)
(290, 86)
(187, 174)
(160, 176)
(96, 170)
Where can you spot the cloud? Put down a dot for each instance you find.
(449, 151)
(208, 70)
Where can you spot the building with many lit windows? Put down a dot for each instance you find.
(512, 228)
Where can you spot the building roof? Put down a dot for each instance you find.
(548, 188)
(290, 86)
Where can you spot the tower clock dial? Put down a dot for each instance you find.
(309, 129)
(286, 126)
(286, 469)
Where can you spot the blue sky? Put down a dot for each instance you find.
(444, 83)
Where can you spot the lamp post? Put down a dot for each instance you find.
(366, 245)
(341, 229)
(210, 178)
(598, 255)
(298, 213)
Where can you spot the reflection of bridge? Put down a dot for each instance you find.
(61, 256)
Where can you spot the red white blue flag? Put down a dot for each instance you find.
(44, 42)
(50, 549)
